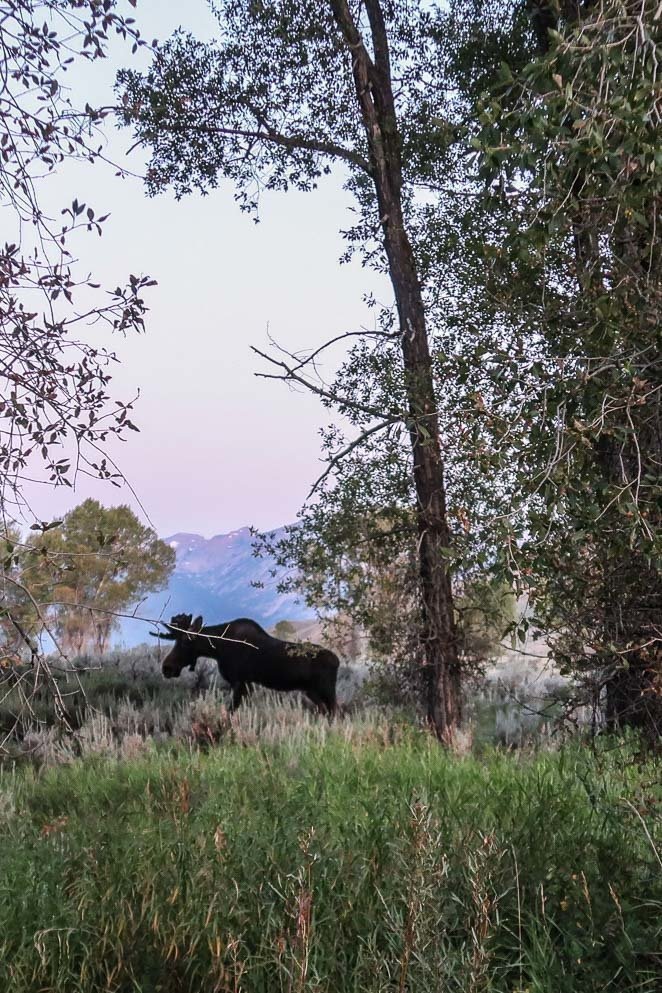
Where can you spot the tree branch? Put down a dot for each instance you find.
(290, 374)
(310, 359)
(337, 459)
(293, 143)
(308, 144)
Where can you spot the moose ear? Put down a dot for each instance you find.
(196, 624)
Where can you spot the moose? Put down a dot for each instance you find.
(247, 654)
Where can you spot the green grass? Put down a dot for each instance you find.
(332, 861)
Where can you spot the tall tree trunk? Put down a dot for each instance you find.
(374, 92)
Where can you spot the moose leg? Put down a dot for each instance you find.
(316, 699)
(324, 705)
(239, 691)
(330, 704)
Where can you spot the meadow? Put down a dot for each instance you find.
(273, 851)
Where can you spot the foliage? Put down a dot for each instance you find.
(98, 562)
(285, 630)
(56, 410)
(569, 151)
(338, 866)
(356, 565)
(17, 615)
(271, 103)
(55, 405)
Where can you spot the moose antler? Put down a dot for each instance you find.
(179, 624)
(181, 621)
(164, 635)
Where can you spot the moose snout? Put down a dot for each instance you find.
(169, 667)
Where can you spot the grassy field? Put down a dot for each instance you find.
(294, 855)
(118, 702)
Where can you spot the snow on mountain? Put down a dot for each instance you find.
(213, 577)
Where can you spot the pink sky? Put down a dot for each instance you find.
(218, 448)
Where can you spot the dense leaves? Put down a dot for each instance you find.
(569, 149)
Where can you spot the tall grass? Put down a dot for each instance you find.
(112, 702)
(342, 860)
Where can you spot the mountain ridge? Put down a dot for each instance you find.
(216, 577)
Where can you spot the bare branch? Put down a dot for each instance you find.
(310, 359)
(289, 374)
(337, 459)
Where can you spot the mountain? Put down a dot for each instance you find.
(213, 577)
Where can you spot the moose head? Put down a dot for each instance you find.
(183, 630)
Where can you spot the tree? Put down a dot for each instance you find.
(96, 564)
(55, 406)
(352, 554)
(285, 630)
(597, 135)
(17, 619)
(354, 559)
(289, 90)
(563, 252)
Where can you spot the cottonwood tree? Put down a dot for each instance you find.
(288, 91)
(583, 124)
(352, 556)
(96, 564)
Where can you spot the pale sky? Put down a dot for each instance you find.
(218, 448)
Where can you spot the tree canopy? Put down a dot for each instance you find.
(81, 575)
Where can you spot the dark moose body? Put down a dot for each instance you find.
(247, 654)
